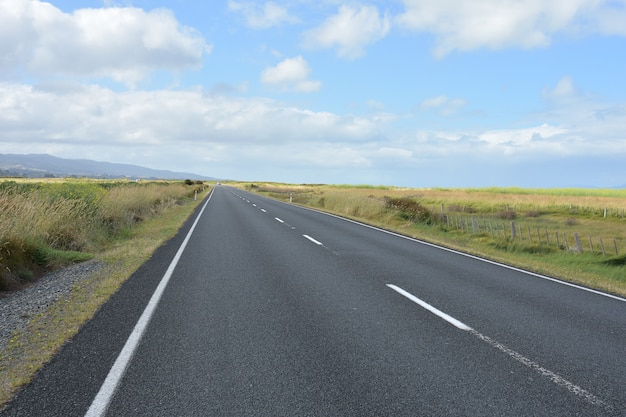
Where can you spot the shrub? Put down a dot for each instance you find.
(506, 215)
(410, 209)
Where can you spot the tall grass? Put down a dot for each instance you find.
(43, 225)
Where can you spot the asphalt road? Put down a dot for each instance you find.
(275, 310)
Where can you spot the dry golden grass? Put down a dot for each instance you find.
(125, 206)
(40, 220)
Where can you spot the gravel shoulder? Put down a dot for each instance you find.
(18, 307)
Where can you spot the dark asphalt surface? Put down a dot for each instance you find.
(259, 320)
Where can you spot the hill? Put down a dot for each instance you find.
(42, 166)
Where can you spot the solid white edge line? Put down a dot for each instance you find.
(478, 258)
(435, 311)
(313, 240)
(102, 400)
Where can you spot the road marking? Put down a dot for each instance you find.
(253, 205)
(430, 308)
(557, 379)
(313, 240)
(279, 220)
(552, 376)
(263, 210)
(102, 400)
(423, 242)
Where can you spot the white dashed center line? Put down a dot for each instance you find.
(546, 373)
(313, 240)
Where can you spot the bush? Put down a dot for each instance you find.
(506, 215)
(409, 209)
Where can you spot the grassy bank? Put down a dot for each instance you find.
(44, 225)
(123, 246)
(532, 229)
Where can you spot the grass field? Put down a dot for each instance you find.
(481, 222)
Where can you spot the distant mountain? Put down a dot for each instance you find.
(41, 166)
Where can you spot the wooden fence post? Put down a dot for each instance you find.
(558, 244)
(591, 244)
(615, 245)
(513, 231)
(602, 246)
(579, 245)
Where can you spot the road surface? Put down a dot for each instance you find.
(268, 309)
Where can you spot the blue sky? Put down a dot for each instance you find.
(418, 93)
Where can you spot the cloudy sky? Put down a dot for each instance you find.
(422, 93)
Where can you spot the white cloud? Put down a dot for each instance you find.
(444, 105)
(609, 19)
(563, 89)
(291, 74)
(262, 17)
(124, 44)
(229, 136)
(543, 138)
(188, 131)
(91, 115)
(466, 25)
(350, 30)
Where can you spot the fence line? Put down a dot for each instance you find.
(540, 236)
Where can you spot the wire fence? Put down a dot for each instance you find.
(535, 235)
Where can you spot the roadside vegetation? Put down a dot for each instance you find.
(51, 224)
(578, 235)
